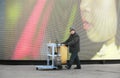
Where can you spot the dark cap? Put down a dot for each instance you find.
(72, 29)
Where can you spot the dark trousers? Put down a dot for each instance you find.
(74, 58)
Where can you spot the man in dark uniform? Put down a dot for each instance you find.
(74, 47)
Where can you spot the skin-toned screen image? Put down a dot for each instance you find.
(99, 19)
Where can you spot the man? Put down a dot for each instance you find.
(73, 43)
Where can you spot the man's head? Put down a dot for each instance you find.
(72, 30)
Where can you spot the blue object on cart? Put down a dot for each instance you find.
(46, 67)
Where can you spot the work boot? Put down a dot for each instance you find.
(78, 67)
(67, 67)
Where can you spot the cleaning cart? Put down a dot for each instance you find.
(57, 54)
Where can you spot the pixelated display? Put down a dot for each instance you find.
(26, 26)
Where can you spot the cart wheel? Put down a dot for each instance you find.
(54, 68)
(60, 67)
(36, 68)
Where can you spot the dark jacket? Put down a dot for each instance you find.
(73, 43)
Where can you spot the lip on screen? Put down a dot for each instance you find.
(86, 25)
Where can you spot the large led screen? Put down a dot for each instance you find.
(26, 26)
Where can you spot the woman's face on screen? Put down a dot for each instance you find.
(99, 19)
